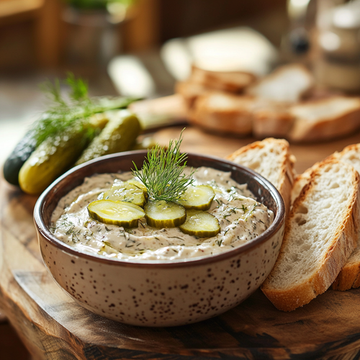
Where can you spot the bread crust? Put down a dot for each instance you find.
(234, 119)
(190, 91)
(349, 276)
(286, 175)
(228, 81)
(253, 89)
(333, 258)
(329, 127)
(271, 120)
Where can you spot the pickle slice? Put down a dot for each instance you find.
(119, 213)
(138, 184)
(200, 223)
(164, 214)
(125, 191)
(197, 197)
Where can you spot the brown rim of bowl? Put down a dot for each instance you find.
(273, 228)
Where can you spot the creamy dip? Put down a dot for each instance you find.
(240, 216)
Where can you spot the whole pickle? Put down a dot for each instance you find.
(57, 154)
(118, 135)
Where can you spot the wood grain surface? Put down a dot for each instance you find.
(53, 326)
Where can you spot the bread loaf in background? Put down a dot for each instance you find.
(284, 103)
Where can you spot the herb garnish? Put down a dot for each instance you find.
(163, 172)
(63, 112)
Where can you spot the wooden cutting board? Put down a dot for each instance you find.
(53, 326)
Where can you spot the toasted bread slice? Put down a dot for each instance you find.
(228, 81)
(223, 113)
(320, 235)
(325, 119)
(270, 158)
(288, 83)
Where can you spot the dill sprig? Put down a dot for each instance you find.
(163, 172)
(75, 109)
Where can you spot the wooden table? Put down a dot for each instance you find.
(53, 326)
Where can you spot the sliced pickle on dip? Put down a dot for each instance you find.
(164, 214)
(138, 184)
(197, 197)
(200, 223)
(126, 191)
(119, 213)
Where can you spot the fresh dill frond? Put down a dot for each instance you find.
(53, 92)
(163, 172)
(73, 110)
(79, 88)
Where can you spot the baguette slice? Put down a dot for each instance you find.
(349, 276)
(288, 83)
(350, 155)
(190, 91)
(300, 182)
(271, 158)
(223, 113)
(325, 119)
(271, 119)
(320, 235)
(228, 81)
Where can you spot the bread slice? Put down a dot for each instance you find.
(271, 119)
(190, 91)
(349, 276)
(325, 119)
(288, 83)
(228, 81)
(300, 181)
(223, 113)
(320, 235)
(271, 158)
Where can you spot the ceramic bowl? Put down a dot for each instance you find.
(160, 293)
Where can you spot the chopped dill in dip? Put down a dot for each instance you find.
(240, 216)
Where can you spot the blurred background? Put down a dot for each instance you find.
(142, 48)
(119, 46)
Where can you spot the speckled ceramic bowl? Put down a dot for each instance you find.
(158, 293)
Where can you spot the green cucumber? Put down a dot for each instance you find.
(18, 156)
(51, 158)
(29, 142)
(118, 135)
